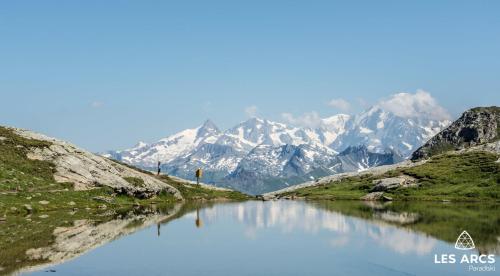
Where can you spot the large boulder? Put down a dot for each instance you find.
(386, 184)
(376, 196)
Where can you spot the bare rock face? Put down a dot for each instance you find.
(476, 126)
(87, 170)
(385, 184)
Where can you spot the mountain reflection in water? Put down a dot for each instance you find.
(356, 236)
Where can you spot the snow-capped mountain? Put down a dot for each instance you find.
(380, 130)
(253, 132)
(259, 155)
(168, 149)
(360, 158)
(268, 168)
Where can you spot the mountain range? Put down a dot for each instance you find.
(259, 155)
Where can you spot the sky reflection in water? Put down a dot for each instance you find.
(273, 238)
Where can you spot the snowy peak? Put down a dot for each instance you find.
(332, 127)
(253, 132)
(336, 122)
(207, 129)
(169, 148)
(258, 131)
(140, 145)
(380, 129)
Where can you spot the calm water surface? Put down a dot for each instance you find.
(281, 238)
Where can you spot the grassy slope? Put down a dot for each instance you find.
(190, 191)
(25, 181)
(471, 176)
(195, 192)
(31, 182)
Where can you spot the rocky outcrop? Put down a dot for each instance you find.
(386, 184)
(376, 196)
(476, 126)
(87, 170)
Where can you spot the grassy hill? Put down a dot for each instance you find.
(28, 186)
(471, 176)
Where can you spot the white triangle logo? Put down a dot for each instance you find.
(464, 242)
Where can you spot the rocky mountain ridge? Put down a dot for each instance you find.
(277, 155)
(476, 126)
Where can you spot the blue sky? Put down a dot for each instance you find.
(105, 74)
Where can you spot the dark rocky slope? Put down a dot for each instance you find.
(476, 126)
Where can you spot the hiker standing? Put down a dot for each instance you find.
(198, 174)
(159, 169)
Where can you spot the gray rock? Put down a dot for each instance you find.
(373, 196)
(87, 170)
(265, 197)
(28, 208)
(386, 198)
(386, 184)
(476, 126)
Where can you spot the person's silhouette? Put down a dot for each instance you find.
(198, 221)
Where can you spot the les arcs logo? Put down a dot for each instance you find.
(464, 242)
(476, 262)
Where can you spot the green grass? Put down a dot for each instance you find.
(195, 192)
(469, 176)
(135, 181)
(444, 221)
(473, 176)
(347, 188)
(17, 172)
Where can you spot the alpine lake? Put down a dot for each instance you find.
(282, 237)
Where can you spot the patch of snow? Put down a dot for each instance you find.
(365, 130)
(407, 145)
